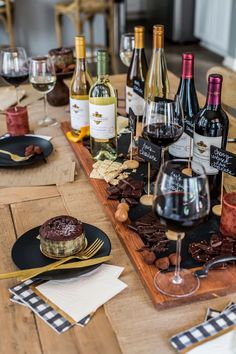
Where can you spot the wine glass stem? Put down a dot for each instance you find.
(45, 105)
(177, 277)
(17, 96)
(162, 156)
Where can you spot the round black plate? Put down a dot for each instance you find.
(26, 253)
(17, 145)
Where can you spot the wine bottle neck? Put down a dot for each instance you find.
(187, 69)
(80, 64)
(213, 95)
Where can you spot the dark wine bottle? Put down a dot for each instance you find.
(211, 128)
(136, 74)
(188, 96)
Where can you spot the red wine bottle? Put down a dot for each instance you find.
(187, 93)
(211, 128)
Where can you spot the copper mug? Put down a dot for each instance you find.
(17, 120)
(228, 216)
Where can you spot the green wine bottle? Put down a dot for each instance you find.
(102, 113)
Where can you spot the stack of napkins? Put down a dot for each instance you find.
(63, 303)
(217, 334)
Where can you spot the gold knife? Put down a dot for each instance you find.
(80, 264)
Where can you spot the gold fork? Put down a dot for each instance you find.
(15, 157)
(86, 254)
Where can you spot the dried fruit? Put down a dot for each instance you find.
(173, 259)
(121, 215)
(162, 263)
(149, 257)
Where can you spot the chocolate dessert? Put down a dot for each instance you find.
(61, 236)
(62, 58)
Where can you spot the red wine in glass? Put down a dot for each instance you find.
(15, 79)
(161, 134)
(177, 210)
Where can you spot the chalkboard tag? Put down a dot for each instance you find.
(188, 126)
(138, 87)
(149, 152)
(132, 121)
(223, 160)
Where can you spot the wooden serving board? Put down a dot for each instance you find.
(218, 282)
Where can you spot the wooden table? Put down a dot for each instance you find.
(128, 323)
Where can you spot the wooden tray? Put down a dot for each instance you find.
(218, 282)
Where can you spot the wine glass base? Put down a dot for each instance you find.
(163, 282)
(217, 209)
(46, 122)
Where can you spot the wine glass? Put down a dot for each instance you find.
(163, 122)
(43, 79)
(182, 202)
(14, 67)
(126, 48)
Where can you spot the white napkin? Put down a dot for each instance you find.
(224, 344)
(79, 297)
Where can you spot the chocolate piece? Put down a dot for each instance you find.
(162, 263)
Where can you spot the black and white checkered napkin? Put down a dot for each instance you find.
(212, 326)
(24, 295)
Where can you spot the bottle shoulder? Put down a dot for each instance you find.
(102, 89)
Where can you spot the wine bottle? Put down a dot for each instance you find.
(136, 75)
(79, 92)
(188, 96)
(102, 112)
(211, 128)
(157, 83)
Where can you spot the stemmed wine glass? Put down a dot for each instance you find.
(43, 79)
(126, 48)
(14, 67)
(182, 202)
(163, 122)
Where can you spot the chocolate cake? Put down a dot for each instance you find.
(61, 57)
(61, 236)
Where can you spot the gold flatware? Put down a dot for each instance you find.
(89, 252)
(73, 265)
(16, 157)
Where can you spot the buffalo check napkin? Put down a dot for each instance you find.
(25, 294)
(216, 325)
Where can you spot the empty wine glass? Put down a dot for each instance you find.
(43, 79)
(126, 48)
(14, 67)
(181, 202)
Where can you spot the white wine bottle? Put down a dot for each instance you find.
(157, 83)
(79, 93)
(102, 113)
(136, 73)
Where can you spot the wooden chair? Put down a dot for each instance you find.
(81, 11)
(6, 8)
(229, 85)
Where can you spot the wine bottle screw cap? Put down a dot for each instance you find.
(215, 78)
(187, 56)
(139, 29)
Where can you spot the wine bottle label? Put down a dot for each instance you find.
(102, 121)
(134, 101)
(201, 151)
(79, 113)
(182, 147)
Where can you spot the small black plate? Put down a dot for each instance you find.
(17, 145)
(26, 253)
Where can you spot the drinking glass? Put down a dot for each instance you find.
(126, 48)
(14, 67)
(43, 79)
(163, 122)
(181, 202)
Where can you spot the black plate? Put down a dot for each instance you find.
(17, 145)
(26, 253)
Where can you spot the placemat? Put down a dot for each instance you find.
(59, 169)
